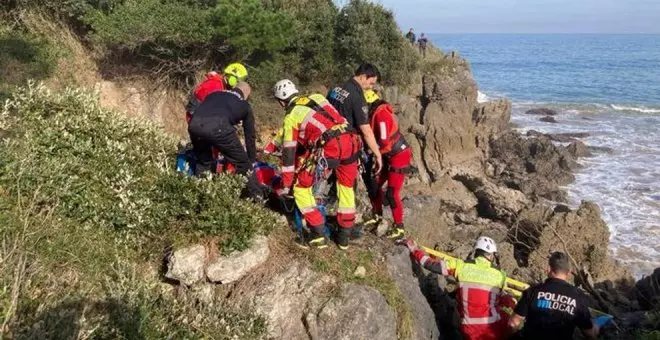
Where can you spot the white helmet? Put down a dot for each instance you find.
(486, 244)
(284, 89)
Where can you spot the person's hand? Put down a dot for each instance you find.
(410, 244)
(378, 164)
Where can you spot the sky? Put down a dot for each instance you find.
(527, 16)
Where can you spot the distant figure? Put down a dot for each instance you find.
(411, 36)
(422, 44)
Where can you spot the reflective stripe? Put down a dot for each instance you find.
(290, 168)
(346, 210)
(443, 268)
(424, 259)
(383, 131)
(465, 288)
(307, 210)
(290, 144)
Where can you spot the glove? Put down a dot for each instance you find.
(410, 244)
(270, 148)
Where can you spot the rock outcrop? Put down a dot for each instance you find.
(541, 111)
(400, 268)
(187, 265)
(227, 269)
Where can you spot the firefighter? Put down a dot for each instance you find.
(397, 158)
(480, 289)
(317, 141)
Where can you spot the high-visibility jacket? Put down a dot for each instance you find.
(386, 129)
(309, 120)
(479, 286)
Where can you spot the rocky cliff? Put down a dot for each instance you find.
(477, 176)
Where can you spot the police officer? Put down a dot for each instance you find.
(212, 125)
(553, 309)
(349, 100)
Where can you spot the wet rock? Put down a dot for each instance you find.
(601, 149)
(567, 137)
(647, 291)
(400, 268)
(227, 269)
(548, 119)
(534, 166)
(579, 149)
(541, 111)
(187, 265)
(359, 312)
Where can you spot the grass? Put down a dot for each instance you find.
(89, 202)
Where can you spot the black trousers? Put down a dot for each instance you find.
(228, 144)
(226, 140)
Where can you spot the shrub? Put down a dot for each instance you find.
(367, 32)
(23, 56)
(107, 171)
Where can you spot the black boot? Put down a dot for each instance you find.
(343, 234)
(316, 239)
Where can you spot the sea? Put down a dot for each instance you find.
(605, 85)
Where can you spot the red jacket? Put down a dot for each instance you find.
(386, 129)
(213, 83)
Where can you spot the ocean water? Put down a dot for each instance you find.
(606, 85)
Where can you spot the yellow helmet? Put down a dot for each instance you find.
(234, 73)
(370, 96)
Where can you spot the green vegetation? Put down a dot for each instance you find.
(311, 41)
(88, 204)
(23, 56)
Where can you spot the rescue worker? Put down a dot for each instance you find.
(315, 134)
(553, 309)
(349, 101)
(233, 73)
(480, 289)
(397, 158)
(212, 125)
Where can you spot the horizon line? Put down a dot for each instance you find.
(549, 33)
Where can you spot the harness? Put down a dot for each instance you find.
(395, 138)
(338, 129)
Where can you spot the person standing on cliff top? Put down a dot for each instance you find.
(423, 41)
(411, 36)
(481, 296)
(553, 309)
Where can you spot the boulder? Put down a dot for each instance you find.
(358, 312)
(584, 235)
(453, 195)
(491, 119)
(187, 265)
(285, 296)
(534, 166)
(647, 291)
(494, 202)
(542, 111)
(579, 149)
(400, 268)
(548, 119)
(227, 269)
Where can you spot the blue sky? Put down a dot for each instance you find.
(527, 16)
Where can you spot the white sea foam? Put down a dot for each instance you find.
(640, 109)
(482, 97)
(624, 184)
